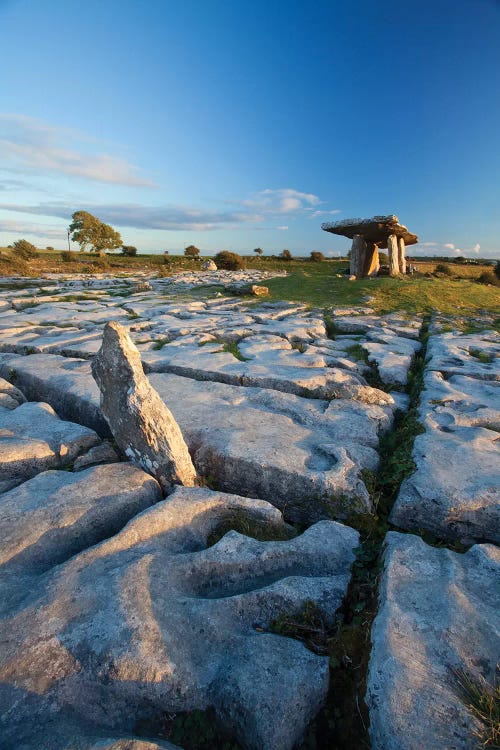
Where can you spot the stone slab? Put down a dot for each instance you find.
(153, 620)
(33, 439)
(438, 613)
(304, 455)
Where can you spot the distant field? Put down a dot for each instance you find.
(318, 284)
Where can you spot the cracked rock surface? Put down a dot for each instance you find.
(438, 615)
(152, 620)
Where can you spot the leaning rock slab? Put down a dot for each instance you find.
(141, 423)
(304, 455)
(154, 620)
(438, 613)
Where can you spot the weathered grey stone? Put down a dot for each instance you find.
(455, 354)
(56, 514)
(141, 423)
(33, 439)
(152, 620)
(392, 249)
(10, 396)
(438, 613)
(209, 265)
(454, 492)
(253, 289)
(100, 454)
(302, 454)
(66, 384)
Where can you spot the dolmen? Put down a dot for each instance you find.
(368, 235)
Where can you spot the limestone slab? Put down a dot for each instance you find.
(154, 620)
(33, 439)
(438, 613)
(454, 492)
(302, 454)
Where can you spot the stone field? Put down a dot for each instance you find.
(135, 588)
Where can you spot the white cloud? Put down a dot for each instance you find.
(20, 229)
(316, 214)
(449, 246)
(281, 201)
(37, 147)
(476, 248)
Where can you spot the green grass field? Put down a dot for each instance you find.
(317, 284)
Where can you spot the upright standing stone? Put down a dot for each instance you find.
(142, 425)
(392, 247)
(358, 253)
(401, 255)
(372, 260)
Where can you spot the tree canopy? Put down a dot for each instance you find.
(191, 251)
(92, 233)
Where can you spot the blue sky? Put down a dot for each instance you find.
(237, 124)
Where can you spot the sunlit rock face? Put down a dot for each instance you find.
(152, 620)
(437, 619)
(139, 420)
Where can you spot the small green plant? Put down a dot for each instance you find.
(358, 353)
(232, 348)
(252, 526)
(483, 700)
(485, 357)
(160, 343)
(193, 730)
(299, 346)
(307, 625)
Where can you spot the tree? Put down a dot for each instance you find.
(25, 249)
(229, 261)
(258, 251)
(191, 251)
(286, 255)
(129, 250)
(89, 231)
(316, 256)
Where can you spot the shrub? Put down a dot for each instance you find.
(68, 257)
(286, 255)
(229, 261)
(191, 251)
(317, 257)
(50, 248)
(129, 250)
(488, 277)
(443, 268)
(25, 249)
(497, 269)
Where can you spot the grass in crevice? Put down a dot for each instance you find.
(192, 730)
(483, 700)
(358, 353)
(250, 525)
(343, 722)
(232, 348)
(485, 357)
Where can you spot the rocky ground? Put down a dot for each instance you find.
(120, 604)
